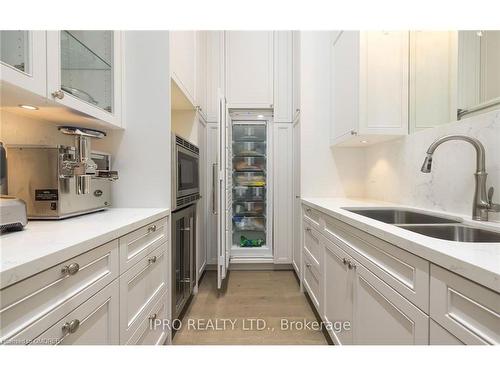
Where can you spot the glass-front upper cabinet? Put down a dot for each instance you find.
(23, 59)
(85, 72)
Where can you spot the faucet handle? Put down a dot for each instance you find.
(491, 190)
(493, 207)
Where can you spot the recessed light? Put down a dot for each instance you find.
(363, 141)
(30, 107)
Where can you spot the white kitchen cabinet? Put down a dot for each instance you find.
(433, 78)
(215, 72)
(381, 316)
(296, 74)
(439, 336)
(467, 310)
(95, 322)
(297, 208)
(140, 287)
(23, 60)
(151, 331)
(283, 192)
(249, 69)
(338, 293)
(283, 76)
(84, 72)
(183, 62)
(369, 87)
(201, 73)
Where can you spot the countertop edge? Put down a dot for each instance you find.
(30, 268)
(479, 275)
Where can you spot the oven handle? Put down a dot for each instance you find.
(214, 189)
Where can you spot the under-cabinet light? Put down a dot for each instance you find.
(364, 141)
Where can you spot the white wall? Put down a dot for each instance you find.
(393, 168)
(324, 171)
(143, 149)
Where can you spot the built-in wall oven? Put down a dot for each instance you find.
(185, 172)
(183, 257)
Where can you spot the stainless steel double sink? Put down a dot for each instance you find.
(429, 225)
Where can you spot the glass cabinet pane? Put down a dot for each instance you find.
(14, 49)
(87, 66)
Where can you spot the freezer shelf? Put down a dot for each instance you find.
(251, 133)
(249, 239)
(250, 223)
(246, 164)
(254, 179)
(251, 209)
(249, 149)
(249, 194)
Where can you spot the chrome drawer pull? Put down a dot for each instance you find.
(351, 265)
(308, 265)
(308, 210)
(344, 260)
(308, 229)
(152, 317)
(71, 327)
(70, 269)
(152, 259)
(152, 228)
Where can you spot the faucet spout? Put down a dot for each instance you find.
(482, 204)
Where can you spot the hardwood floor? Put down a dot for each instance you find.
(271, 296)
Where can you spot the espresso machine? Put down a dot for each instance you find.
(61, 181)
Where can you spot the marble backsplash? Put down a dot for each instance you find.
(393, 168)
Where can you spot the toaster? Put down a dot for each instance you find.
(12, 213)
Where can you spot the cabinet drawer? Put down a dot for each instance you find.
(135, 245)
(439, 336)
(311, 242)
(146, 333)
(139, 287)
(29, 307)
(467, 310)
(405, 272)
(96, 322)
(312, 279)
(312, 215)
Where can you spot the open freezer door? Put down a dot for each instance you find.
(222, 261)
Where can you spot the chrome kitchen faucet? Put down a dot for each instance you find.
(482, 200)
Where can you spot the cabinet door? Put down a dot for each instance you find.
(183, 61)
(382, 316)
(338, 294)
(439, 336)
(345, 83)
(201, 72)
(95, 322)
(249, 69)
(23, 59)
(84, 72)
(297, 210)
(283, 79)
(215, 72)
(140, 286)
(383, 95)
(283, 192)
(296, 73)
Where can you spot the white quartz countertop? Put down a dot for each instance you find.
(43, 244)
(479, 262)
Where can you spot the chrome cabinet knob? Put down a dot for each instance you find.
(71, 327)
(344, 260)
(152, 228)
(152, 259)
(308, 210)
(152, 317)
(59, 94)
(308, 265)
(308, 229)
(70, 269)
(351, 265)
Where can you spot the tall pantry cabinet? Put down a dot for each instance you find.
(256, 71)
